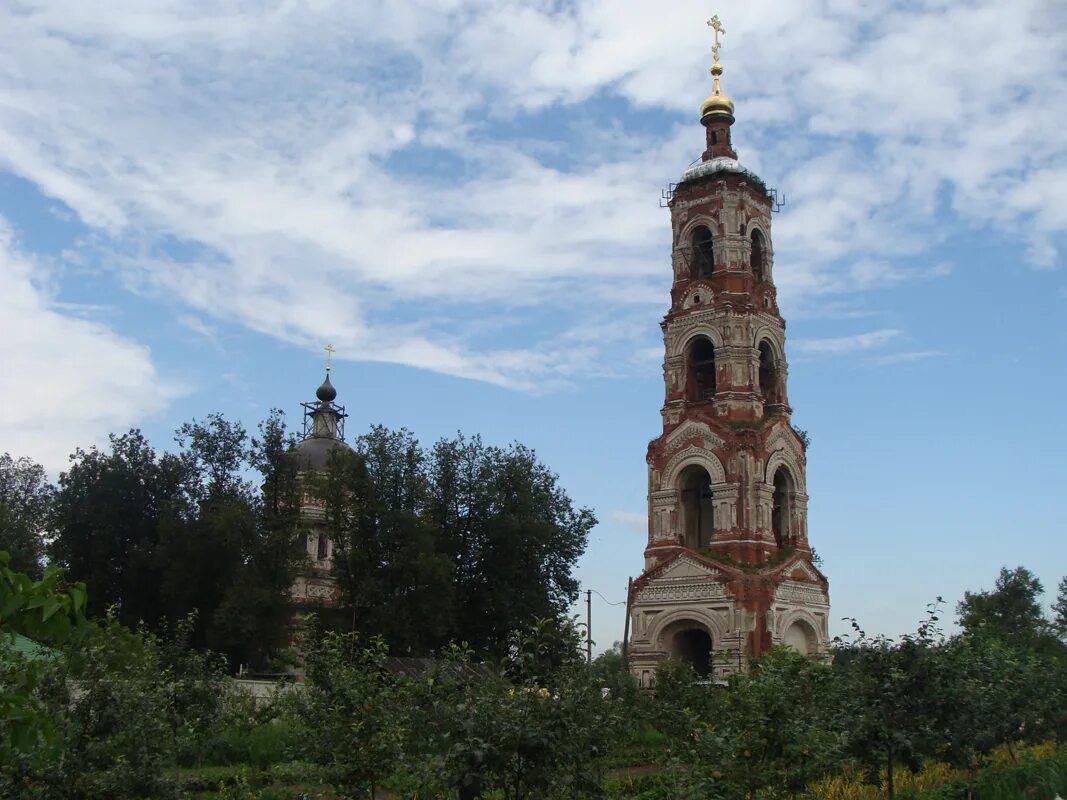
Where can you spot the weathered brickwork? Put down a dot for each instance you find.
(728, 565)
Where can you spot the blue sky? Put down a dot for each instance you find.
(462, 195)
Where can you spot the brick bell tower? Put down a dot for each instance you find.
(728, 568)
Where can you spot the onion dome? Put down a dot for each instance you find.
(716, 104)
(326, 393)
(323, 427)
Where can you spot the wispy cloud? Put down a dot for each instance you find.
(839, 345)
(908, 357)
(354, 172)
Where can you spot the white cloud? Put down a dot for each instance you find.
(337, 171)
(65, 379)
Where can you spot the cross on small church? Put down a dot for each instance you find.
(716, 26)
(330, 350)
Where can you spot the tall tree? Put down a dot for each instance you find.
(25, 498)
(394, 581)
(1011, 612)
(106, 523)
(1059, 609)
(513, 532)
(235, 560)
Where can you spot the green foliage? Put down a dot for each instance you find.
(541, 728)
(25, 498)
(512, 533)
(466, 543)
(160, 537)
(46, 610)
(349, 713)
(395, 582)
(1011, 612)
(118, 721)
(1059, 610)
(768, 732)
(890, 694)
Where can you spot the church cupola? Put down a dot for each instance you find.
(324, 424)
(717, 110)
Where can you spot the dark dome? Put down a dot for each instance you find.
(314, 452)
(326, 393)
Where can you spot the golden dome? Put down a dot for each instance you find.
(716, 102)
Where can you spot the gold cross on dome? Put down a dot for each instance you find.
(330, 350)
(716, 26)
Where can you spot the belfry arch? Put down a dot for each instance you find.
(782, 507)
(697, 521)
(758, 258)
(769, 381)
(700, 370)
(702, 244)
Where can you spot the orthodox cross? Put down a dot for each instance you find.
(330, 350)
(716, 26)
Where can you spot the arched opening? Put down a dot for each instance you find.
(759, 255)
(693, 646)
(323, 547)
(698, 513)
(703, 253)
(701, 370)
(768, 374)
(801, 638)
(782, 507)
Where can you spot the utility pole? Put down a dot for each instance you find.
(589, 626)
(626, 621)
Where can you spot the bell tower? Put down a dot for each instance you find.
(728, 567)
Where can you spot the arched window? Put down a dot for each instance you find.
(322, 551)
(698, 513)
(782, 507)
(768, 374)
(693, 646)
(759, 256)
(703, 253)
(701, 381)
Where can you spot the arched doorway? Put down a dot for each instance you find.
(693, 646)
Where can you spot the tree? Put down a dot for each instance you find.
(48, 610)
(235, 559)
(889, 698)
(1011, 612)
(538, 728)
(106, 523)
(350, 712)
(165, 536)
(1059, 609)
(25, 497)
(512, 533)
(394, 582)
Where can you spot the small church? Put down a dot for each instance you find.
(728, 569)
